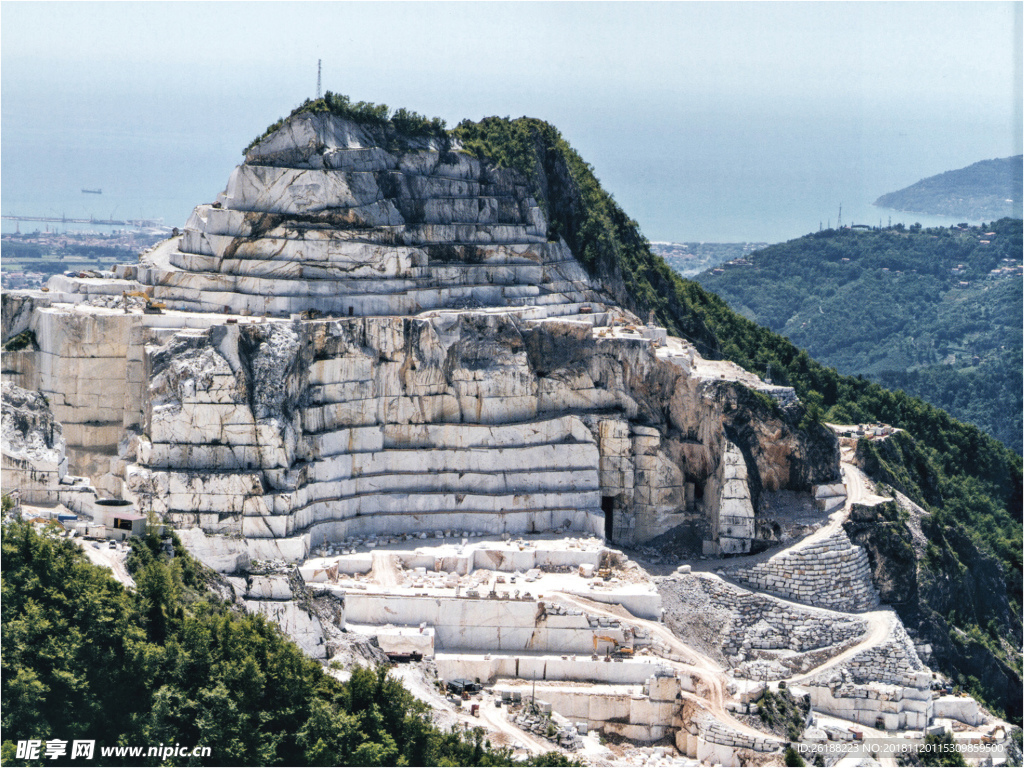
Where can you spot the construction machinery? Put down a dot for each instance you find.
(619, 649)
(405, 658)
(151, 307)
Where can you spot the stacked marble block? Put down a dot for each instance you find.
(894, 662)
(733, 522)
(347, 230)
(884, 686)
(829, 573)
(828, 498)
(715, 743)
(646, 488)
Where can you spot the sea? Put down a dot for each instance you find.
(766, 175)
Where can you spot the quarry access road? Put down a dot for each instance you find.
(497, 719)
(99, 553)
(879, 628)
(880, 623)
(708, 671)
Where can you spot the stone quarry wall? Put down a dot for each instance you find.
(758, 626)
(350, 223)
(89, 366)
(518, 399)
(33, 462)
(829, 573)
(33, 446)
(464, 623)
(327, 429)
(475, 421)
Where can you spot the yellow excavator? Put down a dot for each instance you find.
(618, 649)
(151, 308)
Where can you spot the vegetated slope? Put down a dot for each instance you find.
(967, 479)
(987, 190)
(937, 312)
(85, 658)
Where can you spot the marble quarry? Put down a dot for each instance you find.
(371, 386)
(356, 338)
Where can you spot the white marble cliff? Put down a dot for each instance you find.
(376, 333)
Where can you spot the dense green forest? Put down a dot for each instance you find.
(989, 189)
(969, 481)
(168, 663)
(936, 312)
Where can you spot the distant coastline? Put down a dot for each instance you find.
(986, 190)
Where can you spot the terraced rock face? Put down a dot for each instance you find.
(329, 429)
(321, 217)
(368, 332)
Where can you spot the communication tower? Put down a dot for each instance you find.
(318, 63)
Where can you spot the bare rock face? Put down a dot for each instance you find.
(367, 333)
(334, 428)
(33, 460)
(33, 445)
(326, 216)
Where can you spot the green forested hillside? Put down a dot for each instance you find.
(986, 190)
(937, 312)
(85, 658)
(967, 479)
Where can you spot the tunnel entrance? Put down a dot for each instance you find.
(607, 506)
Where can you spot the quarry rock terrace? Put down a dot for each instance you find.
(372, 387)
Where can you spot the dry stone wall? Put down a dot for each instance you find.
(759, 634)
(717, 732)
(885, 685)
(894, 662)
(829, 573)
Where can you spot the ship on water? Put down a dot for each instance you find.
(92, 191)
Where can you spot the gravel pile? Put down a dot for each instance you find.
(694, 617)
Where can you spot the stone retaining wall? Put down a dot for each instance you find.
(830, 573)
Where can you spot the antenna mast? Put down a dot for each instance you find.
(318, 63)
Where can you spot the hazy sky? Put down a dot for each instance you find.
(645, 91)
